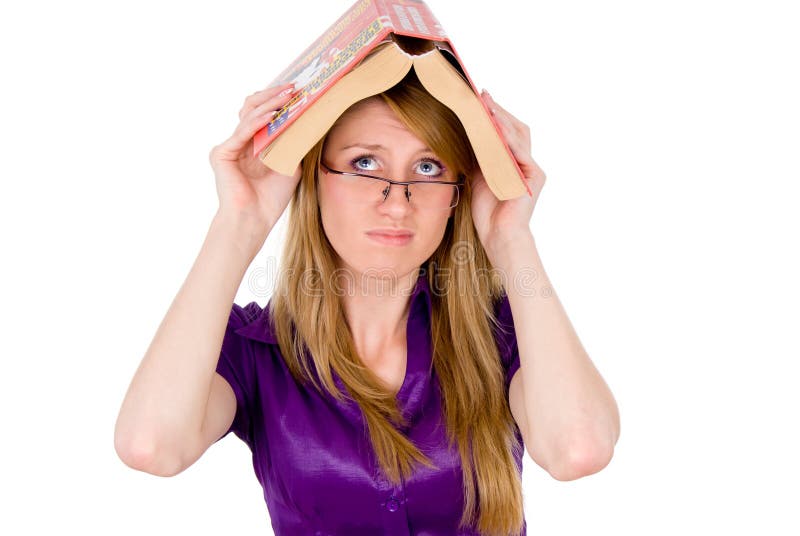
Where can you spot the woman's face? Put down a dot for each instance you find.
(370, 139)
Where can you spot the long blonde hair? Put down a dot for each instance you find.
(465, 356)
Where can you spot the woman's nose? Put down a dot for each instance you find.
(396, 199)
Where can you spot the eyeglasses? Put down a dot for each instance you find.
(427, 195)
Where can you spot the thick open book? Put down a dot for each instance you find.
(368, 50)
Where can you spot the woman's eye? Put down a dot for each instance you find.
(430, 168)
(361, 159)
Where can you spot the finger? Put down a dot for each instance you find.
(265, 95)
(269, 92)
(509, 132)
(518, 136)
(261, 113)
(517, 133)
(270, 95)
(256, 120)
(515, 123)
(493, 103)
(500, 115)
(519, 145)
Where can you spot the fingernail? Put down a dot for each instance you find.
(286, 85)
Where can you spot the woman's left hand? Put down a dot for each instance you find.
(497, 222)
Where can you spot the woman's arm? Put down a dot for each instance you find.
(164, 408)
(161, 420)
(572, 417)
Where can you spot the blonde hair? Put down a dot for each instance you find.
(306, 312)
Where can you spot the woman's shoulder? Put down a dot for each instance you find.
(251, 321)
(502, 311)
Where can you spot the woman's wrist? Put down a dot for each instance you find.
(240, 231)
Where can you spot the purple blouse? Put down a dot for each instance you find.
(310, 454)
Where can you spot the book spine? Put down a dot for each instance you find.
(414, 19)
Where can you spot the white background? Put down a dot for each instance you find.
(669, 132)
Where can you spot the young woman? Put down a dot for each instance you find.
(405, 357)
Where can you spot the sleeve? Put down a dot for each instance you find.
(506, 338)
(237, 365)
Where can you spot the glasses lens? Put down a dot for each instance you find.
(433, 196)
(369, 191)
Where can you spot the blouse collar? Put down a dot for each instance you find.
(259, 328)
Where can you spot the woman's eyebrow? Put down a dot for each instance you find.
(379, 147)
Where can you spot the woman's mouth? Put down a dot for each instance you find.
(390, 238)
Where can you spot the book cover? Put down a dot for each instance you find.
(345, 43)
(365, 25)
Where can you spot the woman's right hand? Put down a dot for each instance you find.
(245, 186)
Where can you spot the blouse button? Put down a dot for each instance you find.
(392, 505)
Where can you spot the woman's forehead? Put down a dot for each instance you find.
(365, 114)
(371, 128)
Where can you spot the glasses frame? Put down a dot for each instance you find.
(458, 184)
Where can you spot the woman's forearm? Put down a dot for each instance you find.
(572, 416)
